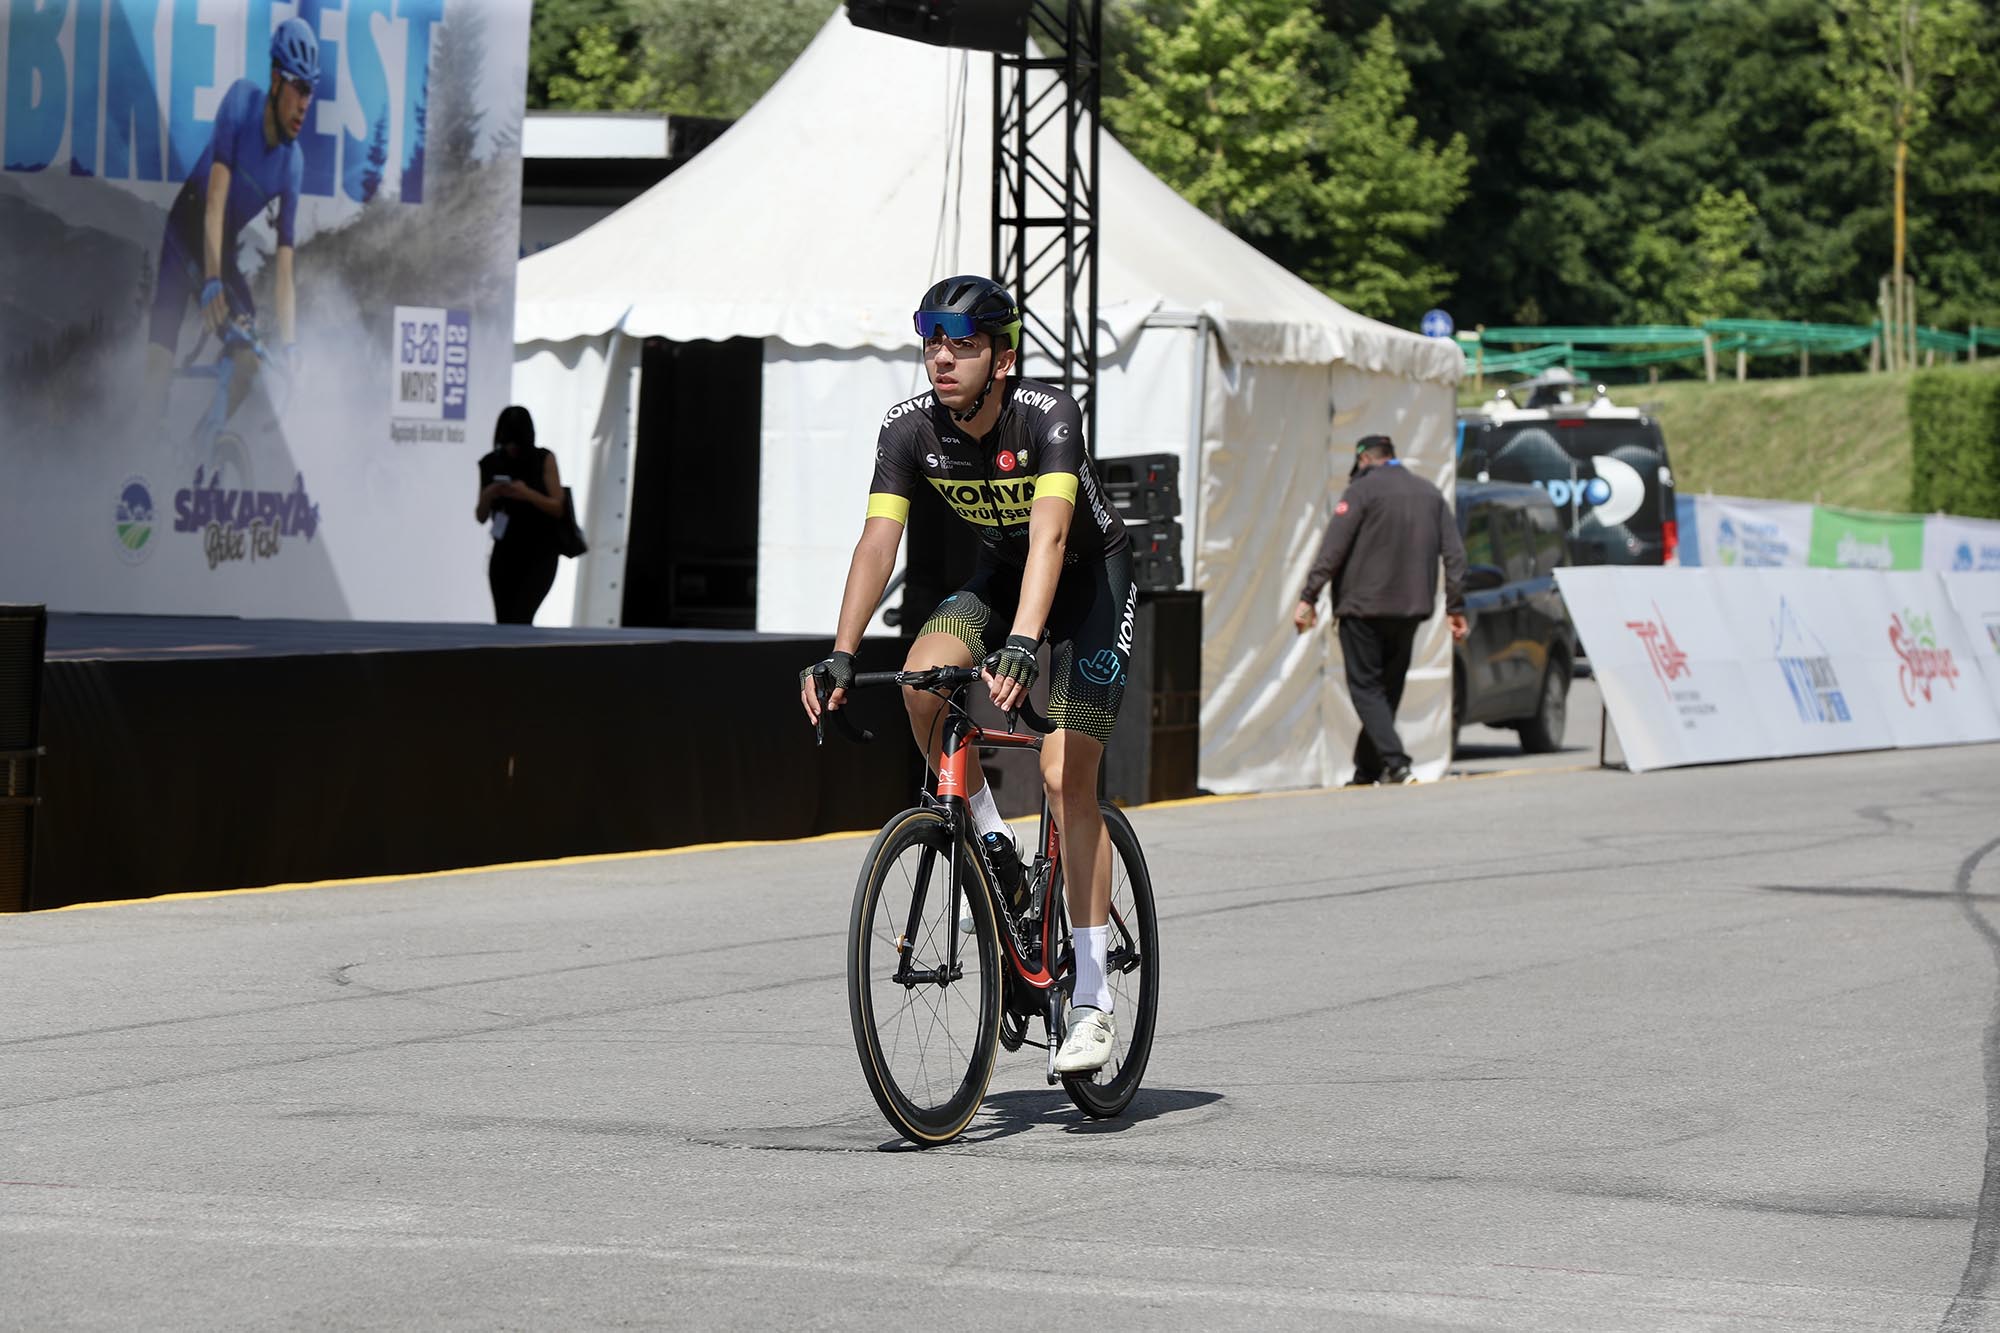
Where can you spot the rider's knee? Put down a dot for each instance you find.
(1069, 769)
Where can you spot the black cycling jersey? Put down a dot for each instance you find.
(1036, 447)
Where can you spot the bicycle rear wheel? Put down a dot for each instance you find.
(924, 998)
(1133, 966)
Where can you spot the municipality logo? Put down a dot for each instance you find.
(133, 519)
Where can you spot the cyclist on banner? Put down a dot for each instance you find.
(253, 162)
(1008, 456)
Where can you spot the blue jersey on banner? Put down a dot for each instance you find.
(258, 172)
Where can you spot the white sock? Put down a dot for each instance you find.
(1092, 986)
(986, 814)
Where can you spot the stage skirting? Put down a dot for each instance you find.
(194, 754)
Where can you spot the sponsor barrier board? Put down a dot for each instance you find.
(1702, 666)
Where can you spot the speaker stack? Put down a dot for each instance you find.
(1146, 492)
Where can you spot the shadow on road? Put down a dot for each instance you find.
(1006, 1114)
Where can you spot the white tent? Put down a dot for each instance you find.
(814, 223)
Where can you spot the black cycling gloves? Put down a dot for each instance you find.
(1015, 661)
(837, 667)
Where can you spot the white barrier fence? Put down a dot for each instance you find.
(1702, 666)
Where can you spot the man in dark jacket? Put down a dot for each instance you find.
(1381, 555)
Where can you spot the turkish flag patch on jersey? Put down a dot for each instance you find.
(1006, 460)
(1340, 508)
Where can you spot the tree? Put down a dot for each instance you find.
(1708, 274)
(1243, 107)
(680, 57)
(717, 57)
(1886, 60)
(600, 74)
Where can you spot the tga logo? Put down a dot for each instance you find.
(133, 520)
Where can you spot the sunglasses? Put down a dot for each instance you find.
(951, 323)
(303, 87)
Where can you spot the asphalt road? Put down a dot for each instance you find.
(1575, 1049)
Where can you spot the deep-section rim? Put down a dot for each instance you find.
(923, 1126)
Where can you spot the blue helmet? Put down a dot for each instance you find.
(295, 51)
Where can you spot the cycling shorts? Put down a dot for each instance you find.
(180, 282)
(1089, 632)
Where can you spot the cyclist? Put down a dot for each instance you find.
(253, 161)
(1007, 455)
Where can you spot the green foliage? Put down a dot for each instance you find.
(717, 57)
(1711, 274)
(1955, 442)
(1244, 107)
(681, 57)
(1885, 59)
(601, 74)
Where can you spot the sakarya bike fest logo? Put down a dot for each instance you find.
(1914, 637)
(235, 525)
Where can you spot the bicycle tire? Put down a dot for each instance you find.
(912, 1046)
(1135, 1003)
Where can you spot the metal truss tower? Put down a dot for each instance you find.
(1045, 222)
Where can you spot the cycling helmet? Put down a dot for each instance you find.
(961, 305)
(958, 308)
(295, 51)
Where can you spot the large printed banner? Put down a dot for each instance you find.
(1749, 534)
(1702, 666)
(1726, 531)
(256, 301)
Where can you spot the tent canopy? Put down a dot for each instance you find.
(882, 145)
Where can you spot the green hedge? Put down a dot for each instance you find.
(1955, 442)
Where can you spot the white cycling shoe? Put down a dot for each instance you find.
(1087, 1046)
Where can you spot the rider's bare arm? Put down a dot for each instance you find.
(286, 299)
(867, 575)
(216, 208)
(1048, 538)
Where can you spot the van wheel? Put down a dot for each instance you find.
(1543, 733)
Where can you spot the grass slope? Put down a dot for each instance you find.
(1833, 439)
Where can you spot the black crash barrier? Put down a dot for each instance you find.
(1155, 750)
(206, 759)
(23, 633)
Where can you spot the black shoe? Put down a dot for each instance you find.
(1005, 865)
(1399, 776)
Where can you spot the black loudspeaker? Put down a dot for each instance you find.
(1156, 554)
(976, 25)
(24, 632)
(1155, 750)
(1143, 487)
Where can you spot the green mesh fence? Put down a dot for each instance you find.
(1635, 346)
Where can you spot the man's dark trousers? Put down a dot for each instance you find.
(1376, 650)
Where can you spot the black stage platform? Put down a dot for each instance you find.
(197, 753)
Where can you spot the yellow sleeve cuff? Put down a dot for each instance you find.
(884, 505)
(1062, 485)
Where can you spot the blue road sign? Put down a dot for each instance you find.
(1436, 324)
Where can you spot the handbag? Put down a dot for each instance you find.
(569, 541)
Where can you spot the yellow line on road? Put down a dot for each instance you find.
(603, 858)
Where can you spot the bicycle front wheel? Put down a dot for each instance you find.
(924, 997)
(1133, 967)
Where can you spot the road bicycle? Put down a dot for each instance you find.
(220, 454)
(931, 1001)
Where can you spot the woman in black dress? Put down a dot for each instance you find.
(520, 491)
